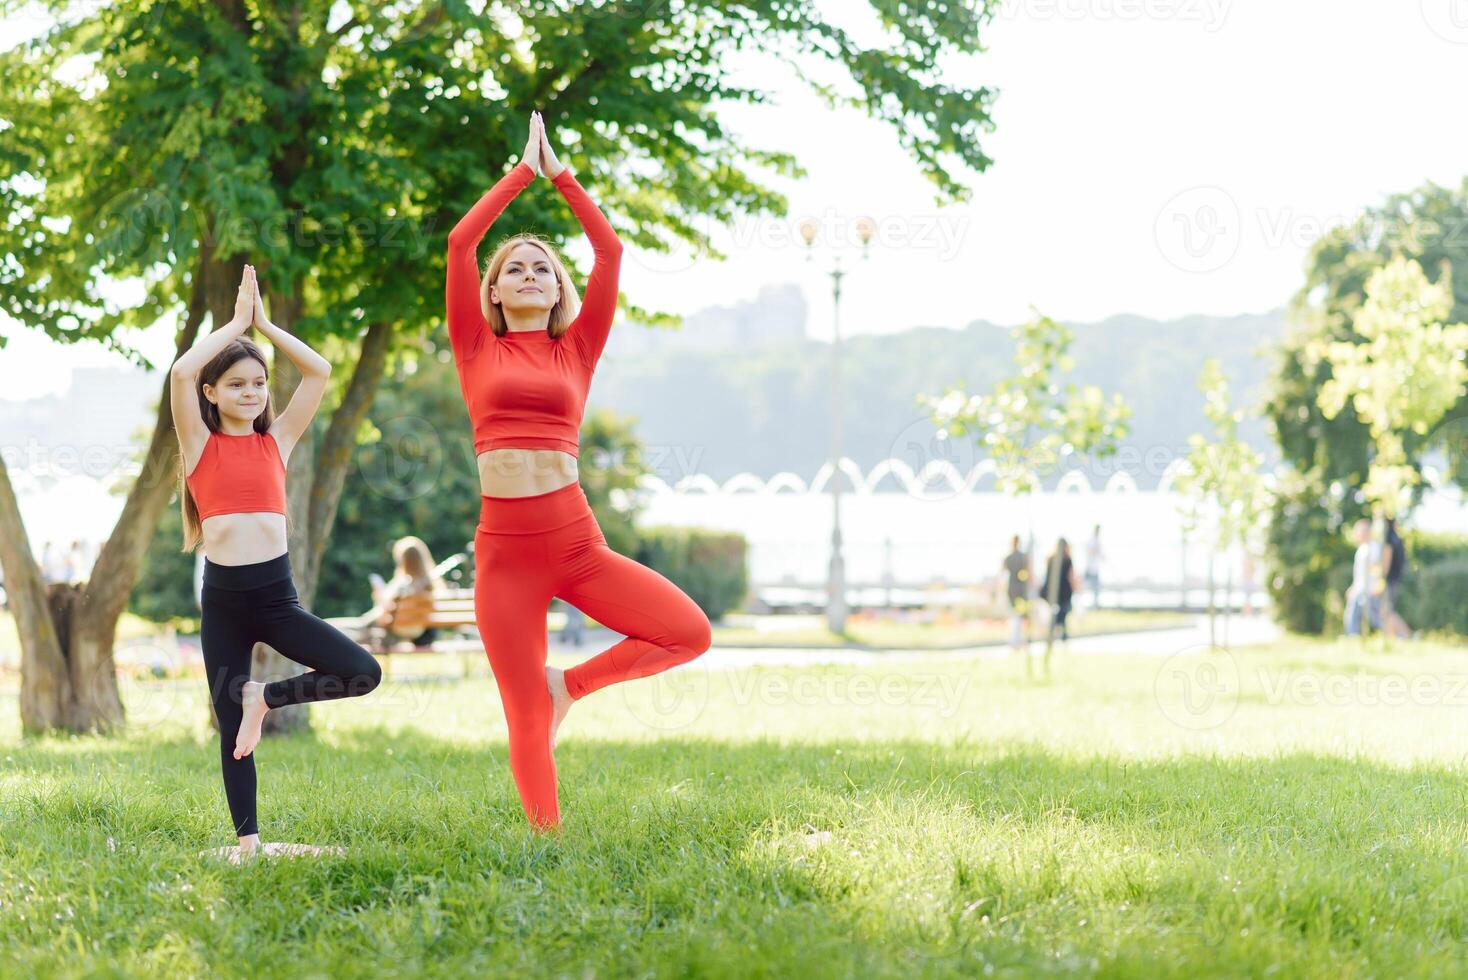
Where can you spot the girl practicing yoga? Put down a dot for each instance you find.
(233, 463)
(526, 347)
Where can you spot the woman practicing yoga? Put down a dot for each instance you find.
(526, 348)
(233, 463)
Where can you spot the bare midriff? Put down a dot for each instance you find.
(243, 539)
(515, 472)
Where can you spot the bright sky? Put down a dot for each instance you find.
(1160, 157)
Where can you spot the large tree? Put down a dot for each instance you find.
(1328, 458)
(334, 144)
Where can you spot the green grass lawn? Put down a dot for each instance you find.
(1290, 812)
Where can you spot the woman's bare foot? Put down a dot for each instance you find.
(555, 680)
(253, 700)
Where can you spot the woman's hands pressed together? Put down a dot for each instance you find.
(538, 152)
(532, 145)
(548, 162)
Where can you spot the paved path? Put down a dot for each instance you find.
(1160, 643)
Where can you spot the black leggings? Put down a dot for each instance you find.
(243, 604)
(1057, 621)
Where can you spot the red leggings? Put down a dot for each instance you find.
(530, 549)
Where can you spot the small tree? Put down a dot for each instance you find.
(1030, 422)
(1222, 475)
(1404, 376)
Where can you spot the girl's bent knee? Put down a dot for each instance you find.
(369, 677)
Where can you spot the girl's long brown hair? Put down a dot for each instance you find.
(210, 374)
(568, 300)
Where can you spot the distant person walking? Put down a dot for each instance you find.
(1059, 588)
(1367, 586)
(53, 564)
(78, 566)
(1394, 558)
(574, 630)
(1094, 558)
(1016, 568)
(1247, 583)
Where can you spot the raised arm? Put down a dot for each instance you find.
(183, 396)
(594, 322)
(315, 370)
(461, 293)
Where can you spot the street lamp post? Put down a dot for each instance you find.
(836, 572)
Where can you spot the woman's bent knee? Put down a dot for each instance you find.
(696, 638)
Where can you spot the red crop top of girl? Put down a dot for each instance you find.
(526, 351)
(232, 458)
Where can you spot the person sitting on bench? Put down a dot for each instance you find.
(404, 604)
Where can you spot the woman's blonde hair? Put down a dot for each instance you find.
(568, 300)
(415, 562)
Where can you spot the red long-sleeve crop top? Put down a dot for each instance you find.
(527, 389)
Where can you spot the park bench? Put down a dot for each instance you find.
(452, 613)
(450, 610)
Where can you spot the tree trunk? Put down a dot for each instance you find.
(45, 683)
(335, 455)
(84, 624)
(104, 598)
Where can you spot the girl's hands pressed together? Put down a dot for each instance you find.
(246, 298)
(258, 318)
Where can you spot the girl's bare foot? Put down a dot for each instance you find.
(555, 680)
(258, 851)
(253, 700)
